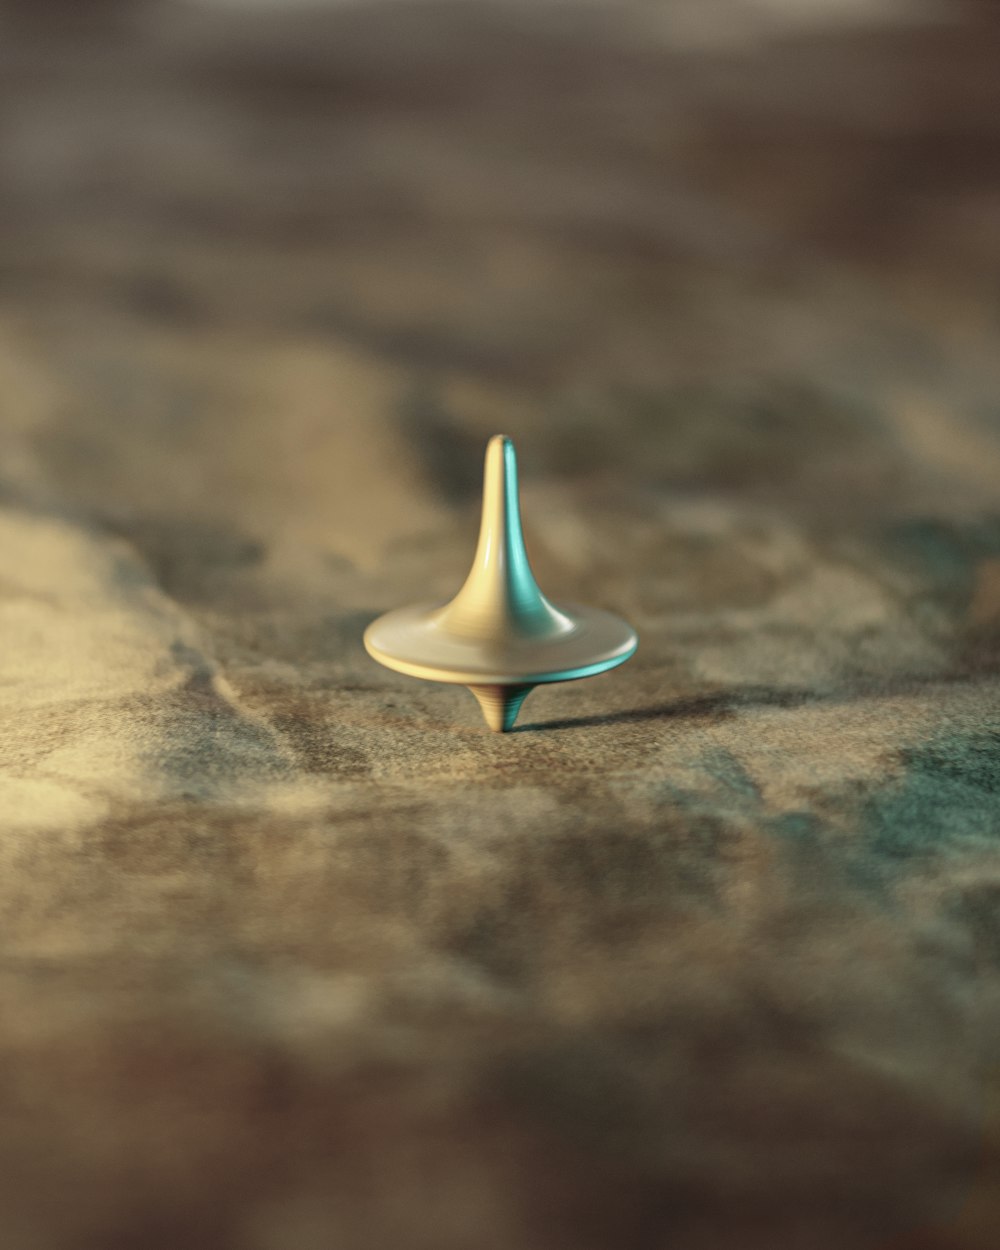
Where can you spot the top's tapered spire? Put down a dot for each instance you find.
(500, 636)
(500, 597)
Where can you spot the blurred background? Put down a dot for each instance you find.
(738, 230)
(295, 957)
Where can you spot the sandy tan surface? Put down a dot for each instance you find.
(295, 955)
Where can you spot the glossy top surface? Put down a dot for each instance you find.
(500, 628)
(416, 641)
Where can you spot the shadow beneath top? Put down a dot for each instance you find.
(718, 706)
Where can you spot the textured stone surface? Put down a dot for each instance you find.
(296, 955)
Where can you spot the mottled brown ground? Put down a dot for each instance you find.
(295, 955)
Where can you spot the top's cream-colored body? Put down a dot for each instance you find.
(500, 636)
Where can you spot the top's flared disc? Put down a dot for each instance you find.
(417, 641)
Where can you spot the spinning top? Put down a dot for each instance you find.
(500, 636)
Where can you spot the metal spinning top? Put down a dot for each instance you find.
(500, 636)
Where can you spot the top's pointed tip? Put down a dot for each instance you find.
(500, 597)
(501, 461)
